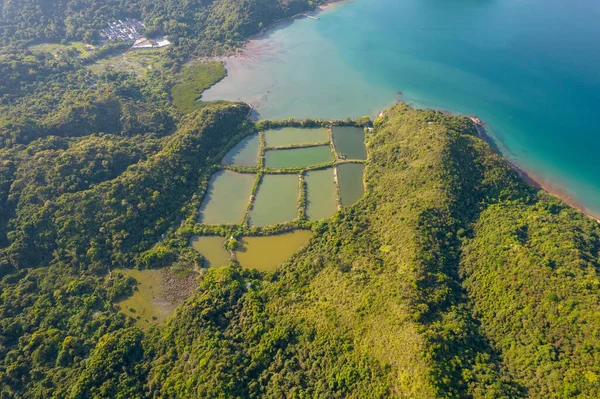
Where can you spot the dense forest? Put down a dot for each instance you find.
(200, 26)
(451, 278)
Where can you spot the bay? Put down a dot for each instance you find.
(528, 68)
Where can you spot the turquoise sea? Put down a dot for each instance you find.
(529, 68)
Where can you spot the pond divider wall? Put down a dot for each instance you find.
(246, 219)
(261, 150)
(277, 171)
(338, 196)
(302, 197)
(331, 143)
(292, 146)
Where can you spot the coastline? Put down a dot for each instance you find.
(530, 178)
(321, 7)
(235, 53)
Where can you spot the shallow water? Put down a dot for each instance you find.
(148, 302)
(212, 250)
(350, 142)
(245, 153)
(227, 198)
(276, 200)
(527, 68)
(292, 135)
(298, 157)
(269, 252)
(321, 201)
(350, 180)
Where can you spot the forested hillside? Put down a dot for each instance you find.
(202, 26)
(451, 278)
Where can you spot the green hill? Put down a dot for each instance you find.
(450, 278)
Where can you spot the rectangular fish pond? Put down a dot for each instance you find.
(321, 196)
(276, 200)
(294, 136)
(350, 180)
(298, 157)
(349, 142)
(227, 198)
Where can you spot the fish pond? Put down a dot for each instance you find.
(266, 253)
(350, 142)
(212, 249)
(227, 198)
(279, 196)
(298, 157)
(350, 178)
(294, 136)
(245, 153)
(321, 197)
(276, 200)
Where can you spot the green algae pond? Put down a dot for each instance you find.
(294, 135)
(212, 250)
(276, 200)
(321, 201)
(155, 298)
(227, 198)
(268, 252)
(298, 157)
(245, 153)
(350, 142)
(350, 180)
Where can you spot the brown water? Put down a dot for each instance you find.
(148, 302)
(268, 252)
(212, 250)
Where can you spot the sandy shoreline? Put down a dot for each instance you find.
(327, 4)
(531, 179)
(235, 53)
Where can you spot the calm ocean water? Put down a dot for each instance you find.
(529, 68)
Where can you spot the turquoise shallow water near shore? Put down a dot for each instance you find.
(529, 69)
